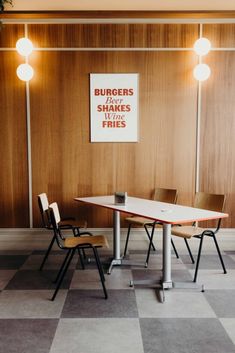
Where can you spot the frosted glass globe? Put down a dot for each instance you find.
(202, 46)
(25, 72)
(201, 72)
(24, 46)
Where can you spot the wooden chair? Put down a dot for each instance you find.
(71, 244)
(162, 195)
(206, 201)
(66, 223)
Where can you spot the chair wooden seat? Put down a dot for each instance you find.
(95, 240)
(186, 231)
(140, 221)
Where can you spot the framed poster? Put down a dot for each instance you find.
(114, 107)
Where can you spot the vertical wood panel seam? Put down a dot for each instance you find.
(29, 154)
(198, 123)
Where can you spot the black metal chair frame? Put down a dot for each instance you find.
(208, 233)
(69, 256)
(48, 225)
(150, 236)
(152, 225)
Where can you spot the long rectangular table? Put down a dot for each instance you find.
(167, 214)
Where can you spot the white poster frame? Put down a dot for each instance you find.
(120, 93)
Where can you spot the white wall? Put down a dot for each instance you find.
(23, 5)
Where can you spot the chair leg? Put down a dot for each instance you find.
(71, 252)
(174, 248)
(189, 251)
(101, 272)
(127, 240)
(219, 253)
(81, 259)
(47, 253)
(149, 236)
(62, 266)
(150, 245)
(198, 258)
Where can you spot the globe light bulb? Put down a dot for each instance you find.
(25, 72)
(202, 46)
(201, 72)
(24, 46)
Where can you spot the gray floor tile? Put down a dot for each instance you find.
(27, 336)
(230, 252)
(155, 262)
(15, 252)
(222, 302)
(5, 277)
(178, 303)
(89, 279)
(229, 326)
(209, 262)
(185, 336)
(28, 279)
(147, 274)
(97, 336)
(53, 252)
(31, 304)
(53, 262)
(185, 322)
(216, 279)
(91, 303)
(9, 262)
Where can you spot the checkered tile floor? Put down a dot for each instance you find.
(132, 320)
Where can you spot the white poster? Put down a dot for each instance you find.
(114, 107)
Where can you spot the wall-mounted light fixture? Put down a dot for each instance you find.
(24, 46)
(25, 72)
(202, 47)
(201, 72)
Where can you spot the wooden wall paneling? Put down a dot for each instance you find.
(221, 35)
(113, 35)
(79, 35)
(9, 34)
(66, 164)
(13, 146)
(132, 14)
(217, 157)
(169, 112)
(172, 35)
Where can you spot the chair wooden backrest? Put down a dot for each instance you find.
(44, 209)
(212, 202)
(56, 214)
(55, 220)
(165, 195)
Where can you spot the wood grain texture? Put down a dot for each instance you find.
(113, 35)
(67, 165)
(221, 35)
(14, 177)
(9, 34)
(217, 158)
(116, 14)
